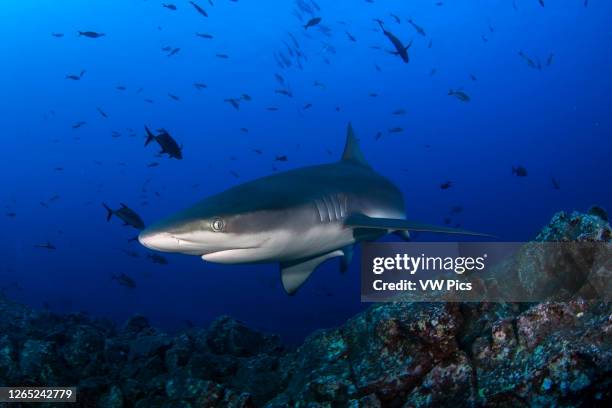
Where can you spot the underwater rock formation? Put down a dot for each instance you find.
(391, 355)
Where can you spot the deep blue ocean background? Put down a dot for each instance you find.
(555, 121)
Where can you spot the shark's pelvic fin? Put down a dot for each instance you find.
(403, 234)
(363, 221)
(295, 273)
(346, 258)
(352, 152)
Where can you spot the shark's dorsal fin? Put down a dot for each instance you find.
(295, 273)
(352, 152)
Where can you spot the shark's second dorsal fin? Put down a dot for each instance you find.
(352, 152)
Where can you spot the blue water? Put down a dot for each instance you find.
(554, 121)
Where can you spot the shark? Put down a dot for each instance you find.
(298, 218)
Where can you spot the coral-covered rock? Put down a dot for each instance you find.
(229, 336)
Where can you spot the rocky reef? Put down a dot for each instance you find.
(391, 355)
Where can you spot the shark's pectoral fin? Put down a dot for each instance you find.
(295, 273)
(346, 258)
(393, 224)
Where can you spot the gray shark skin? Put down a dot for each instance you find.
(299, 218)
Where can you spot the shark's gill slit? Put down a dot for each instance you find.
(319, 210)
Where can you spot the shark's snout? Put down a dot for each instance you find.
(158, 241)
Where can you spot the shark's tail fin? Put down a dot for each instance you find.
(109, 212)
(150, 136)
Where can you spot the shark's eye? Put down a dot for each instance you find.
(217, 225)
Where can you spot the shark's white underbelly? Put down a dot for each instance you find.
(284, 245)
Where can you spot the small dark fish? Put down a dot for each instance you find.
(399, 112)
(312, 22)
(484, 38)
(378, 135)
(58, 169)
(373, 94)
(473, 77)
(279, 78)
(57, 35)
(153, 164)
(550, 59)
(167, 143)
(91, 34)
(459, 94)
(433, 72)
(258, 151)
(124, 280)
(446, 185)
(130, 253)
(519, 171)
(11, 214)
(400, 49)
(76, 77)
(102, 113)
(307, 106)
(272, 108)
(282, 158)
(350, 36)
(319, 84)
(204, 35)
(47, 245)
(396, 130)
(174, 52)
(377, 67)
(174, 97)
(147, 100)
(456, 209)
(169, 6)
(158, 259)
(222, 56)
(541, 2)
(283, 92)
(125, 214)
(199, 9)
(234, 102)
(78, 124)
(120, 88)
(396, 18)
(555, 183)
(418, 28)
(233, 173)
(246, 97)
(200, 85)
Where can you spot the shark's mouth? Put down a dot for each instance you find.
(203, 249)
